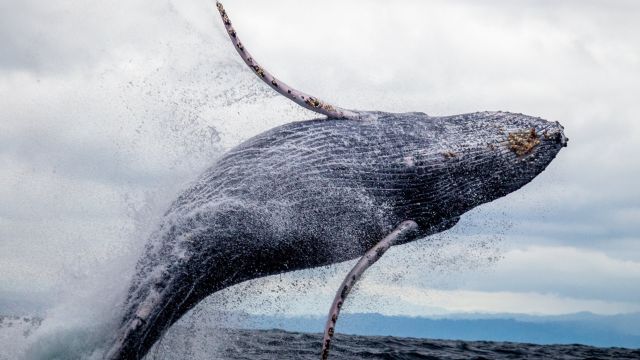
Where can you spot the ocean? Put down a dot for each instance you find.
(189, 343)
(283, 345)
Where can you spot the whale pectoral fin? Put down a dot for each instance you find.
(370, 257)
(305, 100)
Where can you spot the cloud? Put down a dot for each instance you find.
(62, 38)
(565, 271)
(105, 108)
(467, 301)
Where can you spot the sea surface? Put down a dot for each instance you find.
(188, 343)
(278, 344)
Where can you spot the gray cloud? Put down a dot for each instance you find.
(57, 37)
(104, 106)
(564, 271)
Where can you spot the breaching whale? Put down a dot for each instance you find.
(323, 191)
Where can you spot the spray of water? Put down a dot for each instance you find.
(161, 115)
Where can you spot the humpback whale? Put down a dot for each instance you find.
(322, 191)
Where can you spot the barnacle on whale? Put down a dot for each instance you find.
(523, 142)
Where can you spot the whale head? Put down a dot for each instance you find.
(471, 159)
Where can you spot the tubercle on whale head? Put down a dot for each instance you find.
(523, 142)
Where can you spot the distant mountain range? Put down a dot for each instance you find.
(580, 328)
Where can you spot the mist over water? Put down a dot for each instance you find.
(161, 114)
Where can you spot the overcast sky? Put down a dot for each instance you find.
(108, 109)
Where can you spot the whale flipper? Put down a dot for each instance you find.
(370, 257)
(305, 100)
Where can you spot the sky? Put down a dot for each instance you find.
(108, 110)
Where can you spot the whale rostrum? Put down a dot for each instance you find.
(323, 191)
